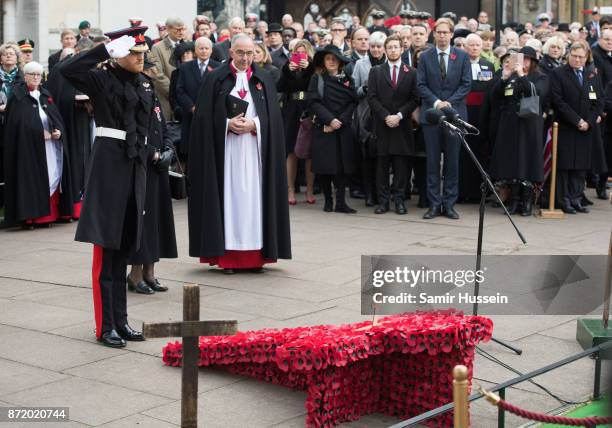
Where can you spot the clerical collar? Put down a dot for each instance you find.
(235, 71)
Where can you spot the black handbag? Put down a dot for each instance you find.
(530, 106)
(178, 182)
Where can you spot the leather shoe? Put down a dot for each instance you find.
(128, 333)
(381, 209)
(451, 213)
(140, 288)
(155, 285)
(432, 212)
(602, 193)
(357, 194)
(344, 208)
(568, 209)
(579, 208)
(585, 201)
(112, 339)
(400, 208)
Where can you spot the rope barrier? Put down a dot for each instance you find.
(542, 417)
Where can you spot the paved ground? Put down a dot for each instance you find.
(48, 355)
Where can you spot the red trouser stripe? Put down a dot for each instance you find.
(95, 286)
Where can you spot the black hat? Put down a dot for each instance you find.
(461, 32)
(529, 52)
(329, 49)
(180, 49)
(564, 27)
(423, 15)
(527, 31)
(136, 32)
(450, 15)
(378, 14)
(26, 45)
(508, 52)
(405, 13)
(275, 27)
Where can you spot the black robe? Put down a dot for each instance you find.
(158, 238)
(18, 78)
(517, 152)
(293, 86)
(207, 162)
(25, 159)
(78, 129)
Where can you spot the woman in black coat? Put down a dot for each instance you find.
(517, 156)
(158, 238)
(553, 53)
(37, 171)
(293, 85)
(183, 53)
(332, 100)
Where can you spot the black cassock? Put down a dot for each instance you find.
(519, 143)
(25, 159)
(207, 163)
(469, 176)
(77, 122)
(158, 238)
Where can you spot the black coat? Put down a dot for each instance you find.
(53, 59)
(519, 142)
(279, 58)
(293, 86)
(221, 51)
(608, 127)
(339, 101)
(603, 62)
(25, 159)
(187, 88)
(117, 174)
(158, 239)
(207, 160)
(576, 149)
(271, 70)
(77, 122)
(386, 100)
(18, 78)
(547, 65)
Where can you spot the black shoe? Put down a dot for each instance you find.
(140, 288)
(451, 213)
(568, 209)
(112, 339)
(382, 208)
(400, 208)
(579, 208)
(128, 333)
(369, 202)
(328, 206)
(432, 213)
(257, 270)
(156, 286)
(357, 194)
(602, 193)
(344, 208)
(229, 271)
(585, 201)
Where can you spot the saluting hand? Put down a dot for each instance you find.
(120, 48)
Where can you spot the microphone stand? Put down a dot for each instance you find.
(484, 186)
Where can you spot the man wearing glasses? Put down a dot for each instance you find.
(444, 79)
(339, 33)
(238, 210)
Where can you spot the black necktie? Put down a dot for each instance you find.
(442, 65)
(579, 76)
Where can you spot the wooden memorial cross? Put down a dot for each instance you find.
(190, 329)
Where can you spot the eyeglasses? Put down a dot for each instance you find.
(443, 33)
(244, 53)
(34, 74)
(337, 30)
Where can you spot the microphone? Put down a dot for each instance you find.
(453, 117)
(433, 116)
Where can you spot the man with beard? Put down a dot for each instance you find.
(238, 210)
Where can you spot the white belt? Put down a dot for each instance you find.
(110, 133)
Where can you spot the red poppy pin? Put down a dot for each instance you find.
(210, 68)
(453, 56)
(258, 86)
(592, 75)
(347, 83)
(50, 100)
(405, 68)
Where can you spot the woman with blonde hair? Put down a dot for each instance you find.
(553, 53)
(293, 86)
(263, 60)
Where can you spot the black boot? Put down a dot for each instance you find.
(328, 206)
(341, 206)
(602, 187)
(527, 199)
(515, 198)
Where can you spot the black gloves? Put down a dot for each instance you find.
(165, 159)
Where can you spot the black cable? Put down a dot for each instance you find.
(496, 360)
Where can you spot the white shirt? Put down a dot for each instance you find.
(475, 68)
(397, 64)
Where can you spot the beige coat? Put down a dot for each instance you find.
(161, 54)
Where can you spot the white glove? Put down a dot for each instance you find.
(120, 48)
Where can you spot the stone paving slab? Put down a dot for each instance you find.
(17, 376)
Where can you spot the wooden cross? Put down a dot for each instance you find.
(190, 329)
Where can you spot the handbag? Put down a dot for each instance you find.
(178, 182)
(530, 106)
(303, 141)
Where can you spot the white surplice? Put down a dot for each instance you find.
(53, 150)
(242, 189)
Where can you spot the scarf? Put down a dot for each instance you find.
(8, 79)
(375, 61)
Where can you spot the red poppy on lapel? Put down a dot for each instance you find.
(453, 56)
(592, 74)
(347, 83)
(210, 68)
(50, 100)
(405, 68)
(258, 86)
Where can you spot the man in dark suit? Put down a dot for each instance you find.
(594, 26)
(191, 75)
(444, 80)
(68, 40)
(221, 50)
(578, 100)
(281, 56)
(393, 96)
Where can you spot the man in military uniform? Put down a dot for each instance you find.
(378, 22)
(27, 50)
(113, 205)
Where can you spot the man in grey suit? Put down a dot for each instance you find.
(444, 77)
